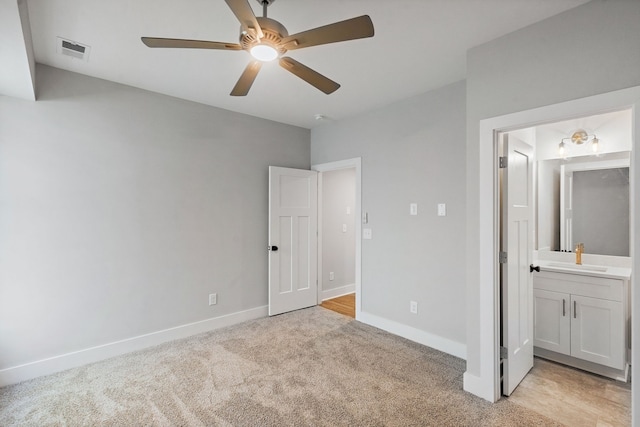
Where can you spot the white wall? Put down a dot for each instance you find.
(412, 152)
(16, 50)
(338, 246)
(612, 129)
(534, 67)
(121, 210)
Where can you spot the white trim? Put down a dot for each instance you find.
(475, 385)
(338, 292)
(74, 359)
(331, 166)
(487, 384)
(445, 345)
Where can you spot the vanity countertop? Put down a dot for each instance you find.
(585, 269)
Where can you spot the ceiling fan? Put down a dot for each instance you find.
(266, 39)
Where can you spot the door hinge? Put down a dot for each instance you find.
(504, 161)
(504, 353)
(502, 257)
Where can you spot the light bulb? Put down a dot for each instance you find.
(561, 148)
(264, 52)
(594, 144)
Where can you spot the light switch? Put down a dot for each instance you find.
(366, 233)
(344, 228)
(413, 209)
(442, 209)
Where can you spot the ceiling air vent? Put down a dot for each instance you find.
(73, 49)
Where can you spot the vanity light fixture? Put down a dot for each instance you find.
(561, 148)
(579, 137)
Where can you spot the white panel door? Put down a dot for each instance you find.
(597, 331)
(293, 237)
(517, 242)
(552, 321)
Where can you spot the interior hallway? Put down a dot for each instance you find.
(345, 304)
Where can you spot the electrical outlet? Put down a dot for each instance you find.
(413, 307)
(213, 299)
(344, 228)
(331, 275)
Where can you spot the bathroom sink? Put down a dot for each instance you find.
(577, 266)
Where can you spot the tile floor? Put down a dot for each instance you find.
(574, 397)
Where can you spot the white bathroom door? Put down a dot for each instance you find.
(517, 281)
(293, 237)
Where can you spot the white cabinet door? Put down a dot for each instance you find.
(597, 331)
(552, 329)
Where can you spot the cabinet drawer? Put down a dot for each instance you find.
(575, 284)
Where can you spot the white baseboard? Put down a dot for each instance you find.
(475, 385)
(74, 359)
(430, 340)
(338, 292)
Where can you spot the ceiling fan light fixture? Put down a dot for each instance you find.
(264, 52)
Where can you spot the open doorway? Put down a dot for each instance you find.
(484, 379)
(339, 234)
(581, 193)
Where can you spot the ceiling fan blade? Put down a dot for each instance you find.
(245, 15)
(246, 79)
(351, 29)
(310, 76)
(189, 44)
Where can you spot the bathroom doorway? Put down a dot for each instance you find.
(557, 148)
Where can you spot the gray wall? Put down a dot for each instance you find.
(412, 152)
(121, 210)
(535, 67)
(338, 247)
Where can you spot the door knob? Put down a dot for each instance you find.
(272, 248)
(532, 268)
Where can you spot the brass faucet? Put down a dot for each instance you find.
(579, 251)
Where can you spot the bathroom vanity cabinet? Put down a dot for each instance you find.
(581, 320)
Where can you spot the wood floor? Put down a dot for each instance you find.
(345, 304)
(573, 397)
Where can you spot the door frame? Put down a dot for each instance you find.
(354, 163)
(487, 383)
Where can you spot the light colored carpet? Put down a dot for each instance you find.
(309, 367)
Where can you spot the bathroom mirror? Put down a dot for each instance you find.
(584, 199)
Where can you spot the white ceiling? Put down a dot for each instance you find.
(419, 45)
